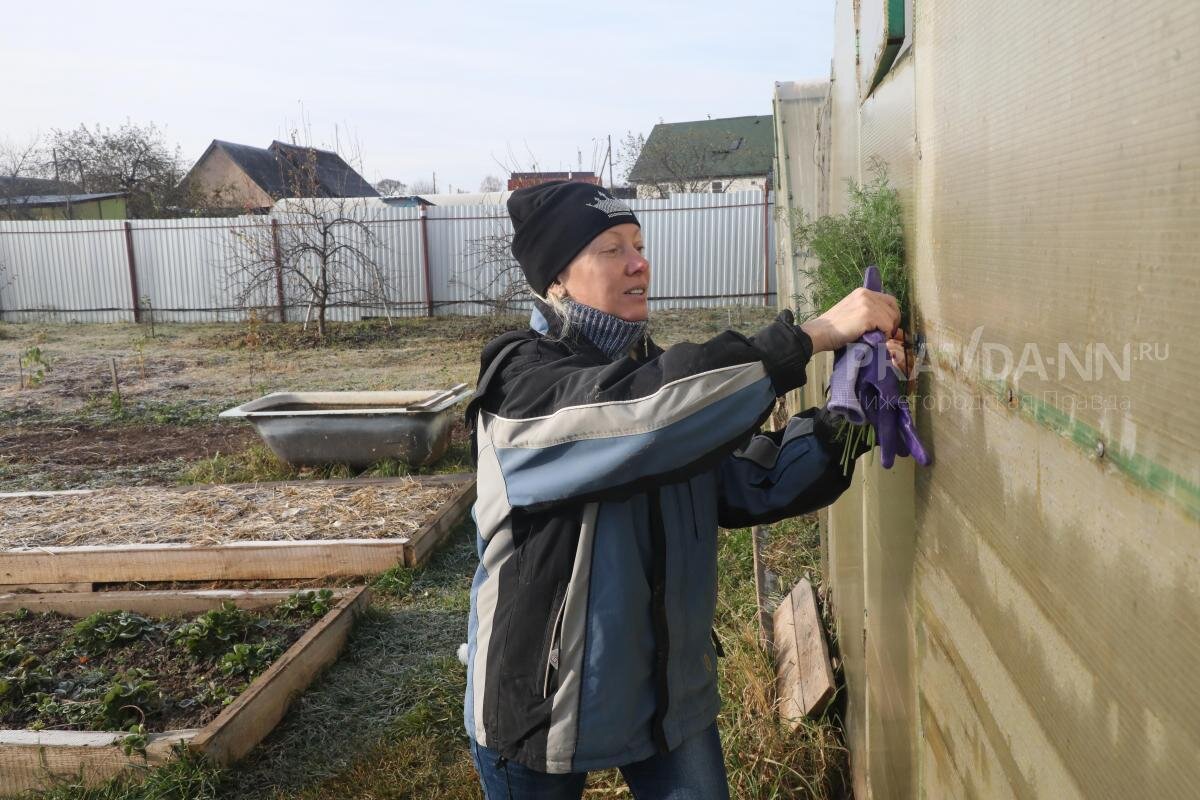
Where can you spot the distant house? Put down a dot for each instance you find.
(519, 180)
(253, 178)
(712, 155)
(38, 198)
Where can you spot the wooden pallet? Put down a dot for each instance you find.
(74, 569)
(38, 759)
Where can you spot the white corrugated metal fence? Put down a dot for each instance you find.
(704, 250)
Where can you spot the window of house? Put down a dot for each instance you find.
(717, 187)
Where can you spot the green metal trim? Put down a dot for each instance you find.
(894, 25)
(1147, 474)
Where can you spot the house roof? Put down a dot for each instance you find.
(334, 176)
(551, 175)
(19, 186)
(58, 199)
(277, 169)
(498, 198)
(710, 148)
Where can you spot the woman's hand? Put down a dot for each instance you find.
(899, 356)
(858, 312)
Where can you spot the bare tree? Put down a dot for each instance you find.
(422, 187)
(23, 174)
(502, 282)
(390, 187)
(6, 280)
(679, 162)
(320, 254)
(629, 148)
(131, 158)
(490, 183)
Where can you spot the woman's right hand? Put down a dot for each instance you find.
(858, 312)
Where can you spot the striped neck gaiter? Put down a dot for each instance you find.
(611, 335)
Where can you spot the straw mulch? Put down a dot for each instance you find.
(219, 514)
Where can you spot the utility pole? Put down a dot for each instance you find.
(611, 185)
(435, 183)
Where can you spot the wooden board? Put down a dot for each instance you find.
(443, 479)
(233, 561)
(803, 675)
(37, 759)
(37, 588)
(424, 542)
(165, 602)
(258, 710)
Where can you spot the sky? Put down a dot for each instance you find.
(406, 89)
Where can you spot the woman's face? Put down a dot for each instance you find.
(611, 274)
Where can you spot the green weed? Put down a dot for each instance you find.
(396, 582)
(110, 408)
(306, 605)
(186, 777)
(135, 741)
(34, 366)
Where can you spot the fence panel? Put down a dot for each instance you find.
(705, 250)
(76, 271)
(465, 280)
(184, 266)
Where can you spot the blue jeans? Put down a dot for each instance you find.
(693, 771)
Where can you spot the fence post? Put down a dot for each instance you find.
(133, 281)
(278, 250)
(425, 262)
(766, 242)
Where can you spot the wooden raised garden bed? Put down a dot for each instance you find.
(293, 530)
(31, 759)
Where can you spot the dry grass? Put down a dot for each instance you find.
(219, 514)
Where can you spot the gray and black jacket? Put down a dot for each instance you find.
(601, 487)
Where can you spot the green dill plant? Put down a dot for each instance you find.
(841, 247)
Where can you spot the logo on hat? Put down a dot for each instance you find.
(610, 205)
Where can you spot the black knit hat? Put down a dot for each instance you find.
(553, 222)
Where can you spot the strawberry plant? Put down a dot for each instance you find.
(213, 632)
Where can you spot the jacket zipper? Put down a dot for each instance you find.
(552, 657)
(658, 600)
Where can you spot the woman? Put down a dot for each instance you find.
(606, 465)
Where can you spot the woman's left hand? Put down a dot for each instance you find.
(898, 353)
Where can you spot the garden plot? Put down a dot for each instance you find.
(290, 530)
(119, 688)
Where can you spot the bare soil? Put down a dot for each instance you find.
(88, 446)
(68, 433)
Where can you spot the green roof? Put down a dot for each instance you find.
(709, 148)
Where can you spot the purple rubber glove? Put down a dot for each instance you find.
(843, 385)
(864, 387)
